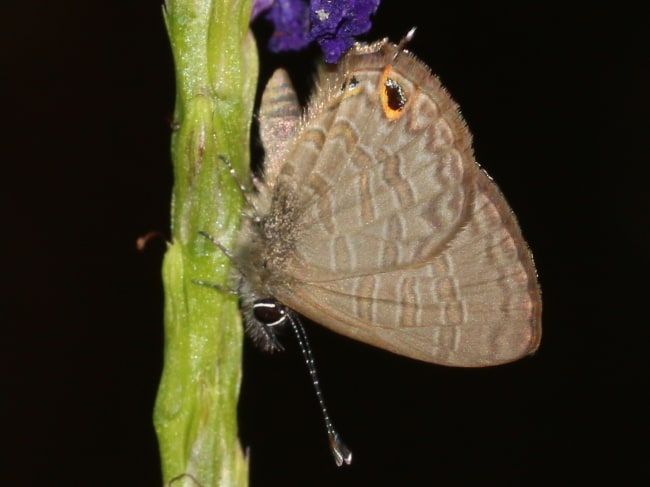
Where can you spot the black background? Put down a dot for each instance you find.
(554, 100)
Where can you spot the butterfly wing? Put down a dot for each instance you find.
(476, 303)
(399, 239)
(398, 187)
(279, 118)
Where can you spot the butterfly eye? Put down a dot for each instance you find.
(269, 312)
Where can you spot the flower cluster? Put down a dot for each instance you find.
(333, 24)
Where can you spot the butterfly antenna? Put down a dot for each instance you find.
(341, 452)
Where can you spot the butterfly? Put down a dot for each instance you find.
(374, 220)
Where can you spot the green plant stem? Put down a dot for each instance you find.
(216, 74)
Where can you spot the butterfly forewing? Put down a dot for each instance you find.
(382, 227)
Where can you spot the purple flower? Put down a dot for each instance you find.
(331, 23)
(334, 23)
(291, 21)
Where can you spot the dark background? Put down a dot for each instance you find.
(554, 99)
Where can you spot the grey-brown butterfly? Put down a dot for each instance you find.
(375, 220)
